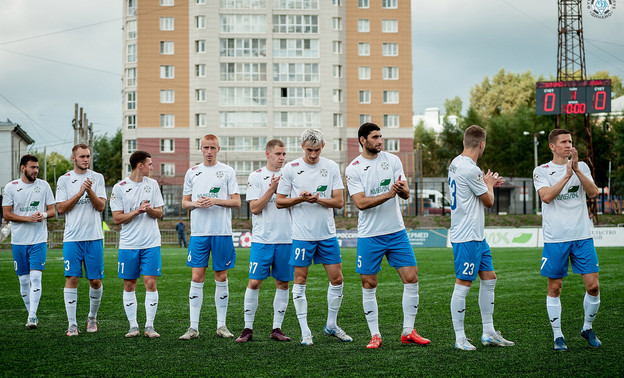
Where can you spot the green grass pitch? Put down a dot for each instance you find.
(520, 314)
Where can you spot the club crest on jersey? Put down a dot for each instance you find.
(324, 172)
(147, 189)
(535, 176)
(220, 174)
(113, 197)
(37, 189)
(479, 178)
(248, 184)
(384, 165)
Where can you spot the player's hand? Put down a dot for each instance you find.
(574, 159)
(492, 179)
(86, 185)
(313, 198)
(274, 183)
(209, 202)
(36, 217)
(144, 207)
(399, 186)
(201, 202)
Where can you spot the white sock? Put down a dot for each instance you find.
(95, 298)
(151, 305)
(35, 292)
(301, 308)
(24, 281)
(486, 305)
(280, 303)
(71, 299)
(458, 310)
(221, 301)
(369, 302)
(591, 305)
(553, 306)
(250, 305)
(130, 305)
(196, 298)
(334, 300)
(410, 306)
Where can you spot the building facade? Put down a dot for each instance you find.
(14, 142)
(252, 70)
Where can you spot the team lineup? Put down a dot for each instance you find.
(292, 207)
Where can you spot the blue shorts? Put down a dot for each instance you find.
(270, 258)
(29, 257)
(581, 253)
(131, 263)
(396, 247)
(222, 248)
(91, 253)
(471, 258)
(322, 252)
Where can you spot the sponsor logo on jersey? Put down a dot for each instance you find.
(366, 169)
(128, 190)
(535, 176)
(355, 162)
(32, 207)
(215, 189)
(324, 172)
(259, 170)
(194, 168)
(573, 189)
(479, 178)
(552, 173)
(74, 181)
(321, 190)
(122, 183)
(300, 172)
(15, 182)
(20, 189)
(67, 174)
(266, 178)
(34, 203)
(83, 201)
(294, 164)
(572, 193)
(452, 168)
(382, 188)
(545, 166)
(198, 173)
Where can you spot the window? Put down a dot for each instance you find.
(295, 48)
(296, 72)
(364, 118)
(131, 145)
(391, 120)
(390, 49)
(244, 143)
(297, 119)
(130, 100)
(389, 4)
(390, 97)
(132, 7)
(338, 144)
(295, 4)
(389, 26)
(131, 54)
(337, 47)
(337, 95)
(200, 119)
(364, 25)
(200, 46)
(243, 47)
(128, 169)
(364, 73)
(242, 119)
(200, 95)
(166, 23)
(391, 145)
(131, 122)
(166, 47)
(390, 73)
(167, 145)
(200, 22)
(295, 23)
(365, 97)
(167, 72)
(336, 3)
(363, 3)
(200, 2)
(243, 71)
(167, 96)
(337, 23)
(167, 169)
(131, 77)
(200, 70)
(198, 143)
(243, 23)
(166, 3)
(131, 29)
(363, 49)
(337, 70)
(242, 4)
(337, 120)
(243, 96)
(167, 120)
(296, 96)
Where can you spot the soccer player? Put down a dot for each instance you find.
(311, 187)
(270, 242)
(562, 185)
(210, 192)
(471, 191)
(81, 196)
(27, 203)
(374, 182)
(137, 204)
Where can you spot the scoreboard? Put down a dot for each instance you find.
(573, 97)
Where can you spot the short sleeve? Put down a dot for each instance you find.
(285, 185)
(188, 183)
(397, 168)
(474, 180)
(116, 199)
(100, 186)
(7, 199)
(337, 183)
(232, 183)
(354, 184)
(49, 195)
(539, 179)
(253, 187)
(61, 190)
(157, 199)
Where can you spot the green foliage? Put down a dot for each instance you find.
(107, 157)
(453, 106)
(63, 165)
(520, 314)
(617, 180)
(616, 82)
(504, 93)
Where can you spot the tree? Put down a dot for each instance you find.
(453, 106)
(504, 93)
(616, 82)
(107, 158)
(63, 165)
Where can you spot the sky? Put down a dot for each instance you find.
(56, 54)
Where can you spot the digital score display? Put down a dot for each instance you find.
(572, 97)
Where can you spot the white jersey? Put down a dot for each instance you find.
(375, 177)
(565, 218)
(272, 225)
(83, 222)
(217, 181)
(311, 221)
(467, 211)
(141, 232)
(26, 200)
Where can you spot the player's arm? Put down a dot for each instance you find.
(401, 188)
(589, 186)
(50, 213)
(119, 217)
(188, 204)
(98, 203)
(549, 193)
(335, 202)
(233, 202)
(7, 213)
(256, 206)
(154, 212)
(491, 180)
(282, 202)
(362, 202)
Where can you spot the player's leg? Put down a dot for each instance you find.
(585, 262)
(73, 256)
(128, 269)
(223, 259)
(555, 266)
(465, 272)
(283, 274)
(370, 252)
(328, 253)
(260, 258)
(22, 269)
(94, 270)
(36, 258)
(197, 259)
(301, 256)
(151, 264)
